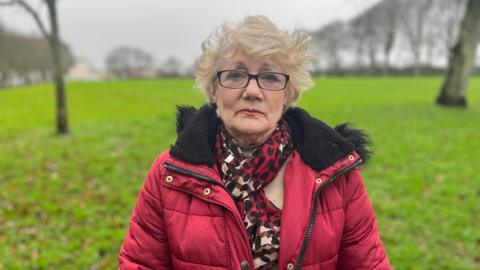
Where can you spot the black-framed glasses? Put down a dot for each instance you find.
(235, 79)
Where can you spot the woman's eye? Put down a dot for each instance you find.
(271, 77)
(235, 75)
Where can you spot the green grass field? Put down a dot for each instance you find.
(65, 201)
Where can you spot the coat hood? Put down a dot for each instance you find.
(319, 145)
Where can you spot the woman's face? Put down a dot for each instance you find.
(250, 114)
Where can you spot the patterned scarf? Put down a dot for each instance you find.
(245, 178)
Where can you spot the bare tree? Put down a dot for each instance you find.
(3, 63)
(387, 28)
(450, 14)
(376, 29)
(56, 48)
(126, 62)
(171, 67)
(441, 31)
(372, 40)
(27, 58)
(414, 20)
(462, 56)
(361, 34)
(329, 42)
(357, 36)
(373, 33)
(413, 34)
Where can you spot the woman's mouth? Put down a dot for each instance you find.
(250, 112)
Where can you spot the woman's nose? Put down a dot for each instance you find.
(252, 90)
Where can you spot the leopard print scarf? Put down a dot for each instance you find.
(245, 178)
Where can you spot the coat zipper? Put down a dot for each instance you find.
(199, 176)
(192, 174)
(313, 213)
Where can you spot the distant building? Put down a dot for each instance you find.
(82, 70)
(148, 73)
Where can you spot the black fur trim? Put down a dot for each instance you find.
(319, 145)
(358, 137)
(183, 114)
(196, 139)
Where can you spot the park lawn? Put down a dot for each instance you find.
(65, 201)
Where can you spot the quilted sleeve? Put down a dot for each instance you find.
(361, 247)
(146, 243)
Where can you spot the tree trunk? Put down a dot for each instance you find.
(417, 68)
(372, 59)
(359, 57)
(386, 53)
(461, 59)
(26, 77)
(3, 79)
(61, 113)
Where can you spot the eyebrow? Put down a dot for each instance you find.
(264, 67)
(241, 65)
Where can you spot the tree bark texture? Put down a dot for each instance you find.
(61, 113)
(461, 59)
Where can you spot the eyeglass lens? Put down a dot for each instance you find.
(240, 79)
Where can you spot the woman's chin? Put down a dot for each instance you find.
(250, 128)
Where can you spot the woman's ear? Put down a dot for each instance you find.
(213, 91)
(213, 97)
(285, 99)
(286, 103)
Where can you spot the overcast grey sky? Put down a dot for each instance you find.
(171, 28)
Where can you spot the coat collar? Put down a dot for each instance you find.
(319, 145)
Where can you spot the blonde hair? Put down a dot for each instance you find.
(256, 36)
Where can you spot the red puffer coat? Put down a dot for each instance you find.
(185, 219)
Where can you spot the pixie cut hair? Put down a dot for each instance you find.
(256, 36)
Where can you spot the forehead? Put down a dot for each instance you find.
(251, 63)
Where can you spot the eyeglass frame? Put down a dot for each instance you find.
(254, 76)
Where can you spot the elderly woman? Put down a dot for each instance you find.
(252, 182)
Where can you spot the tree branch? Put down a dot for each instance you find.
(29, 9)
(7, 3)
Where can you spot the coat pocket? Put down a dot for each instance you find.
(196, 229)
